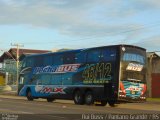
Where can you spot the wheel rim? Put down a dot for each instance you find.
(77, 97)
(89, 98)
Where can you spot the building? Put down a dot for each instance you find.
(8, 64)
(153, 74)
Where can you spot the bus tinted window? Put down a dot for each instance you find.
(134, 57)
(80, 57)
(108, 54)
(30, 62)
(34, 79)
(56, 80)
(69, 58)
(93, 56)
(38, 61)
(45, 79)
(57, 59)
(67, 79)
(48, 60)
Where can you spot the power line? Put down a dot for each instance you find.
(95, 36)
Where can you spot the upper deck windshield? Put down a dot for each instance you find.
(134, 57)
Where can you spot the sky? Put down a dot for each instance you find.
(74, 24)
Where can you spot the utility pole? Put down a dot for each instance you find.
(17, 62)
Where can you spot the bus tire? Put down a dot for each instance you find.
(89, 99)
(78, 98)
(29, 95)
(111, 103)
(50, 99)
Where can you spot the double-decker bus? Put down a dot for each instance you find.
(107, 74)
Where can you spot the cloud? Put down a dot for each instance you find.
(73, 17)
(151, 43)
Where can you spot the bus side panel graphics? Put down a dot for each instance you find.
(132, 90)
(42, 91)
(56, 68)
(97, 73)
(49, 90)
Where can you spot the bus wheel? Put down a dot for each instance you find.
(89, 100)
(50, 99)
(29, 95)
(111, 103)
(78, 98)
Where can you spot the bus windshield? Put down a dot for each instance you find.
(133, 65)
(134, 57)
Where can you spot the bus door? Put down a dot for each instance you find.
(23, 79)
(108, 92)
(20, 83)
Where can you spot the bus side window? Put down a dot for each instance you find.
(30, 62)
(38, 61)
(108, 54)
(39, 82)
(48, 60)
(57, 59)
(93, 56)
(67, 79)
(56, 79)
(69, 58)
(45, 79)
(80, 57)
(34, 79)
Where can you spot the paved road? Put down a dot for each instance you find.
(62, 109)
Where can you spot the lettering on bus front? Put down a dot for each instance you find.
(97, 73)
(134, 67)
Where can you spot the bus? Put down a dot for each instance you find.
(107, 74)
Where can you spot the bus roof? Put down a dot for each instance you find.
(78, 50)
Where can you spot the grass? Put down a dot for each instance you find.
(153, 99)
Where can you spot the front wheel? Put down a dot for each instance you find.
(29, 95)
